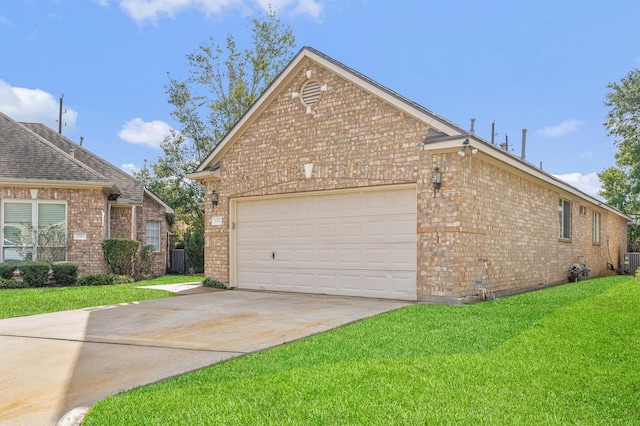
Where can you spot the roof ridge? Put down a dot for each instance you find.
(86, 152)
(52, 146)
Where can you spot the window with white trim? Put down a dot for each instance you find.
(595, 228)
(153, 234)
(565, 219)
(33, 230)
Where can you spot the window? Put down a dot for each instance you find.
(33, 230)
(153, 234)
(565, 219)
(595, 228)
(583, 210)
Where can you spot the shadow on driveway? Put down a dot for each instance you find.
(53, 363)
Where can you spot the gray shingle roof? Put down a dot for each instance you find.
(132, 189)
(26, 156)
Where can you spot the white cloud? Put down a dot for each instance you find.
(562, 129)
(130, 168)
(34, 106)
(312, 8)
(151, 10)
(149, 133)
(589, 183)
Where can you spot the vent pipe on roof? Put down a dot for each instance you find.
(493, 132)
(81, 140)
(473, 122)
(524, 143)
(72, 152)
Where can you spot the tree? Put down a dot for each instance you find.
(223, 83)
(621, 183)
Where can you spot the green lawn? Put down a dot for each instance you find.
(31, 301)
(564, 355)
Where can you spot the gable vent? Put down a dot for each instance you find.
(310, 93)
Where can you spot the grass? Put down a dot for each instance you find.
(564, 355)
(31, 301)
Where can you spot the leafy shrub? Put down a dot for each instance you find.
(143, 261)
(179, 245)
(6, 270)
(6, 284)
(194, 247)
(34, 273)
(638, 274)
(104, 279)
(65, 273)
(208, 282)
(120, 255)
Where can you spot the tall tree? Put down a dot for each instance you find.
(621, 183)
(223, 83)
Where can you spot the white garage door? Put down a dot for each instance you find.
(353, 243)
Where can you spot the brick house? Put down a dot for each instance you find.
(326, 185)
(47, 179)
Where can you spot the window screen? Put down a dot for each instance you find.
(565, 219)
(153, 234)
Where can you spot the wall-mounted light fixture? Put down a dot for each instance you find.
(214, 198)
(466, 148)
(436, 180)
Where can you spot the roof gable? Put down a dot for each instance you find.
(132, 189)
(26, 156)
(283, 80)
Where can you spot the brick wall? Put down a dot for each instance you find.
(151, 210)
(86, 210)
(354, 139)
(121, 221)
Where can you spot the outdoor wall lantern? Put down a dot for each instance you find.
(436, 180)
(214, 198)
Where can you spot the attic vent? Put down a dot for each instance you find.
(310, 93)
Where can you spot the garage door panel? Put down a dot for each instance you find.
(304, 231)
(359, 243)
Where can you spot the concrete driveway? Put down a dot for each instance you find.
(55, 365)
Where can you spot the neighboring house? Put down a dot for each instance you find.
(326, 185)
(47, 180)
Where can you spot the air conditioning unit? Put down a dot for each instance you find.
(631, 263)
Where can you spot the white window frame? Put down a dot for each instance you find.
(595, 227)
(34, 219)
(150, 238)
(565, 219)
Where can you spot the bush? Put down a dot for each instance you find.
(34, 273)
(120, 255)
(208, 282)
(142, 269)
(65, 273)
(6, 284)
(194, 247)
(6, 270)
(104, 279)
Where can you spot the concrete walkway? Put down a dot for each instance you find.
(54, 366)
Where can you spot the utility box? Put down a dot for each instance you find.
(631, 263)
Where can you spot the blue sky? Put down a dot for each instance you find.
(541, 65)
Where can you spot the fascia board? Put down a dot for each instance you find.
(512, 161)
(68, 184)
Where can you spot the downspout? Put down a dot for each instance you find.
(108, 219)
